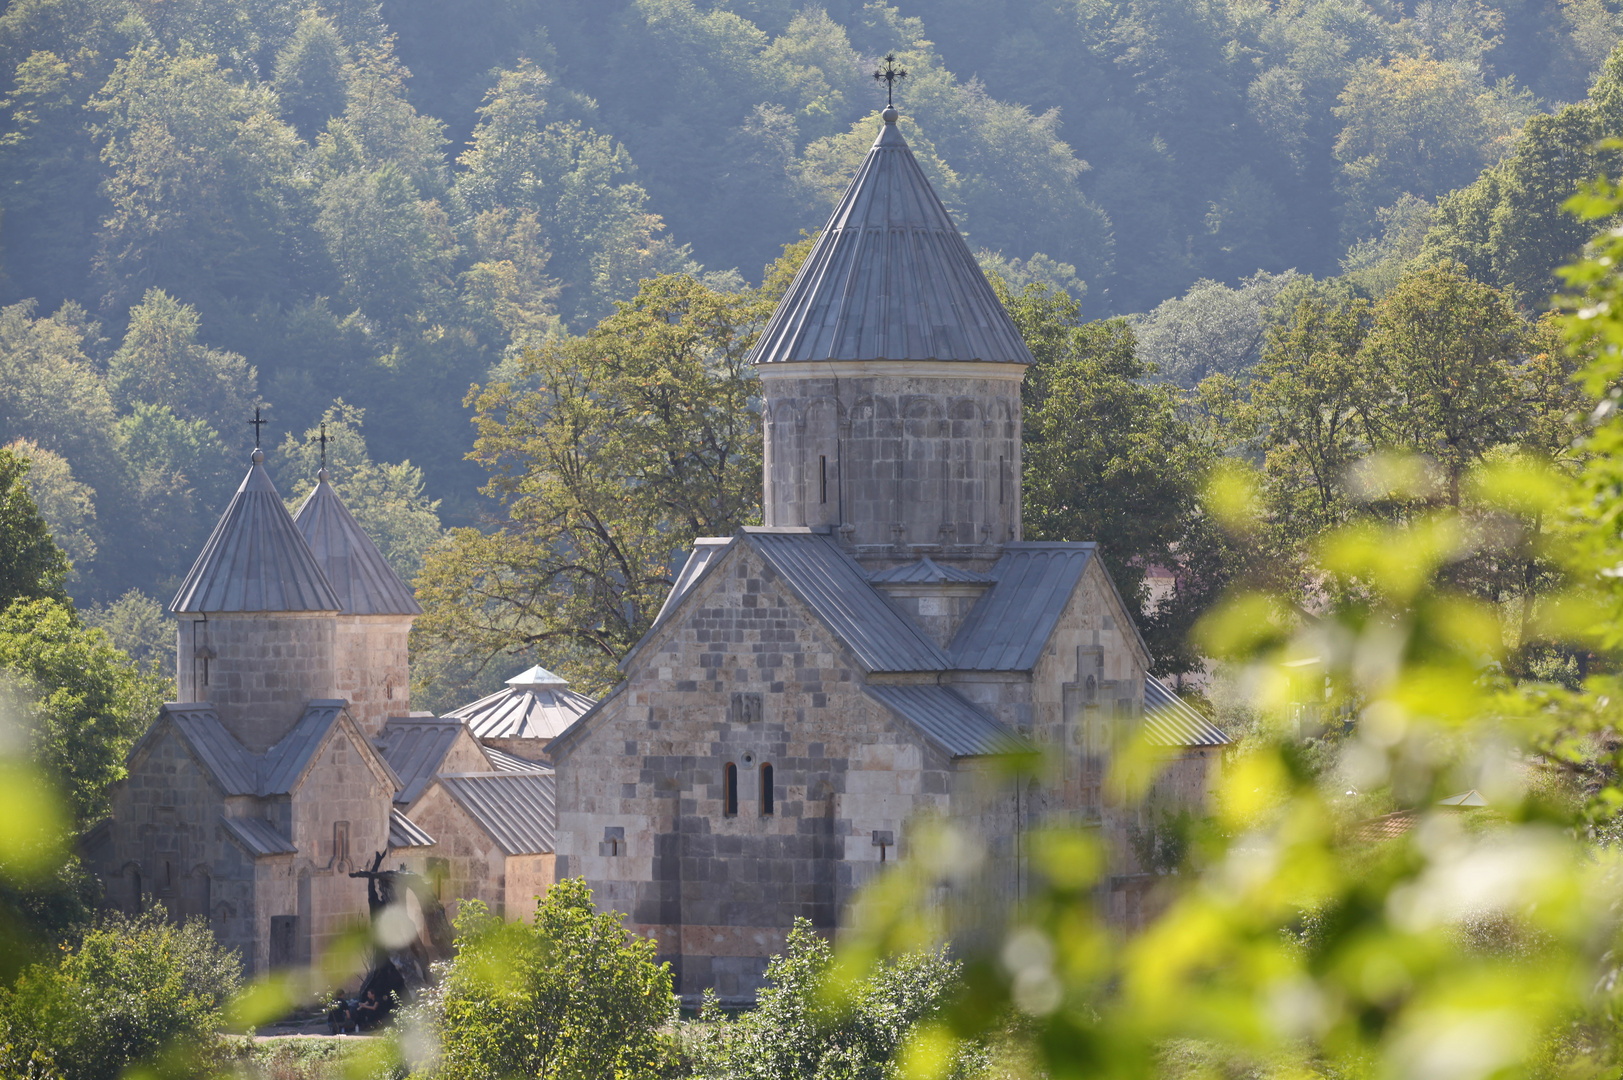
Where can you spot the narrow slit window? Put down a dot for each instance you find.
(1002, 472)
(730, 796)
(766, 790)
(822, 478)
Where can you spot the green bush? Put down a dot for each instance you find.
(131, 990)
(793, 1033)
(572, 996)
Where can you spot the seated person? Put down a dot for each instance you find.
(369, 1013)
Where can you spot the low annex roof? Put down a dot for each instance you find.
(256, 559)
(226, 759)
(406, 833)
(518, 810)
(505, 762)
(415, 749)
(1171, 721)
(947, 718)
(360, 576)
(1011, 623)
(259, 836)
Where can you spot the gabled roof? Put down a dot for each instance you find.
(927, 572)
(360, 576)
(706, 549)
(283, 765)
(406, 833)
(1010, 625)
(831, 583)
(258, 836)
(256, 559)
(527, 710)
(1171, 721)
(890, 278)
(198, 725)
(415, 749)
(518, 810)
(947, 718)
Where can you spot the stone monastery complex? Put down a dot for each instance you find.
(812, 689)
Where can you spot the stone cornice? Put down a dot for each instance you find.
(892, 369)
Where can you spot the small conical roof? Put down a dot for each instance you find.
(537, 676)
(890, 278)
(256, 559)
(363, 579)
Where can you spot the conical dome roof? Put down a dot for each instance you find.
(363, 579)
(890, 278)
(256, 559)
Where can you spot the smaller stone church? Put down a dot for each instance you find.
(291, 759)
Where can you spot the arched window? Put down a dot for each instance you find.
(766, 790)
(730, 797)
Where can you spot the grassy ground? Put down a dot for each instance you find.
(307, 1057)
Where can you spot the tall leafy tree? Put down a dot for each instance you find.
(31, 565)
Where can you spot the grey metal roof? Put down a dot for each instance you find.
(505, 762)
(537, 676)
(518, 810)
(406, 833)
(283, 764)
(957, 725)
(890, 278)
(1010, 625)
(259, 836)
(927, 572)
(415, 749)
(363, 579)
(521, 712)
(226, 759)
(706, 549)
(1171, 721)
(832, 584)
(256, 559)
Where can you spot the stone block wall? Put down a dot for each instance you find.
(466, 863)
(746, 677)
(900, 459)
(371, 667)
(259, 670)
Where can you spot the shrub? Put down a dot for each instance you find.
(132, 989)
(571, 997)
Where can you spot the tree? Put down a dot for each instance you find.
(31, 565)
(1210, 329)
(139, 627)
(1108, 456)
(67, 506)
(132, 991)
(792, 1033)
(611, 452)
(89, 702)
(310, 80)
(569, 996)
(161, 362)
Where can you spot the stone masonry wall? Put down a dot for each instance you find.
(900, 465)
(465, 863)
(264, 668)
(742, 676)
(372, 668)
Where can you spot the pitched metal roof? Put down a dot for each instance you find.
(927, 572)
(361, 577)
(831, 583)
(537, 676)
(283, 764)
(226, 759)
(406, 833)
(1171, 721)
(956, 724)
(706, 549)
(523, 711)
(890, 278)
(259, 836)
(518, 810)
(256, 559)
(1010, 625)
(505, 762)
(415, 749)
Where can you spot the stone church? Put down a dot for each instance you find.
(810, 691)
(814, 687)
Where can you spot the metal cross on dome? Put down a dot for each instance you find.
(257, 423)
(890, 73)
(322, 439)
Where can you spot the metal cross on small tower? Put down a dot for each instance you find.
(257, 423)
(890, 73)
(322, 439)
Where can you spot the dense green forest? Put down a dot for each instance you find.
(353, 212)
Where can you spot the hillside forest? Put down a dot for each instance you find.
(352, 212)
